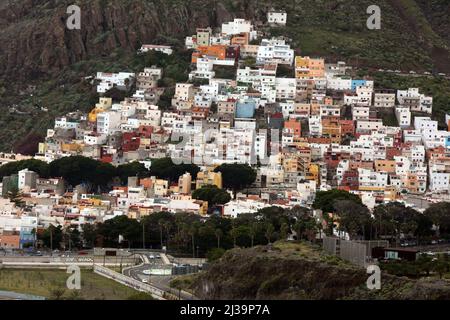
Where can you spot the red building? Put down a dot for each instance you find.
(131, 141)
(145, 131)
(233, 52)
(347, 127)
(350, 180)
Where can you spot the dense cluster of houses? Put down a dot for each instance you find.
(317, 130)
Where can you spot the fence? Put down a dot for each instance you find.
(356, 252)
(129, 282)
(353, 252)
(330, 245)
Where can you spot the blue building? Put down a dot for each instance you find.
(357, 83)
(27, 231)
(245, 109)
(447, 142)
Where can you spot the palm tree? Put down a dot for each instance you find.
(167, 226)
(192, 233)
(284, 231)
(252, 233)
(269, 233)
(161, 224)
(234, 235)
(219, 235)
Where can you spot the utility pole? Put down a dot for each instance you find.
(51, 239)
(143, 235)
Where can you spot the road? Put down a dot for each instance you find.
(162, 282)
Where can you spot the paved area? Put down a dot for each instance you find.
(162, 282)
(7, 295)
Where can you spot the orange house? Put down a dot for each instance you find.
(217, 51)
(10, 241)
(347, 127)
(294, 127)
(240, 39)
(305, 67)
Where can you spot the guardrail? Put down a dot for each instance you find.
(130, 282)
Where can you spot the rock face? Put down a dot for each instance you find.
(35, 39)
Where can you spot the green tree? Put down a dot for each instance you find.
(439, 213)
(52, 237)
(269, 233)
(133, 169)
(219, 234)
(165, 169)
(284, 231)
(16, 197)
(354, 218)
(215, 254)
(325, 199)
(236, 176)
(89, 235)
(212, 194)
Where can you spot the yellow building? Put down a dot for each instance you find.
(209, 178)
(161, 187)
(103, 105)
(314, 172)
(71, 147)
(185, 183)
(331, 128)
(306, 67)
(42, 148)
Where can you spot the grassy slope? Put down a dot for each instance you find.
(41, 282)
(299, 271)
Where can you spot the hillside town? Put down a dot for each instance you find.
(303, 125)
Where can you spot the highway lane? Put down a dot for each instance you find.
(161, 282)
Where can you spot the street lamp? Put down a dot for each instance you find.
(143, 235)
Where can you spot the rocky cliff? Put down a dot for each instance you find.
(34, 39)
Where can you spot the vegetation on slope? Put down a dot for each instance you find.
(51, 284)
(414, 36)
(300, 271)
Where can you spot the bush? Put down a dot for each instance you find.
(215, 254)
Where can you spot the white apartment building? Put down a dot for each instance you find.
(65, 123)
(275, 51)
(184, 91)
(108, 122)
(425, 124)
(360, 112)
(414, 136)
(371, 179)
(152, 47)
(369, 125)
(109, 80)
(315, 125)
(237, 26)
(277, 17)
(384, 99)
(339, 83)
(285, 88)
(403, 116)
(439, 178)
(330, 111)
(205, 69)
(416, 101)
